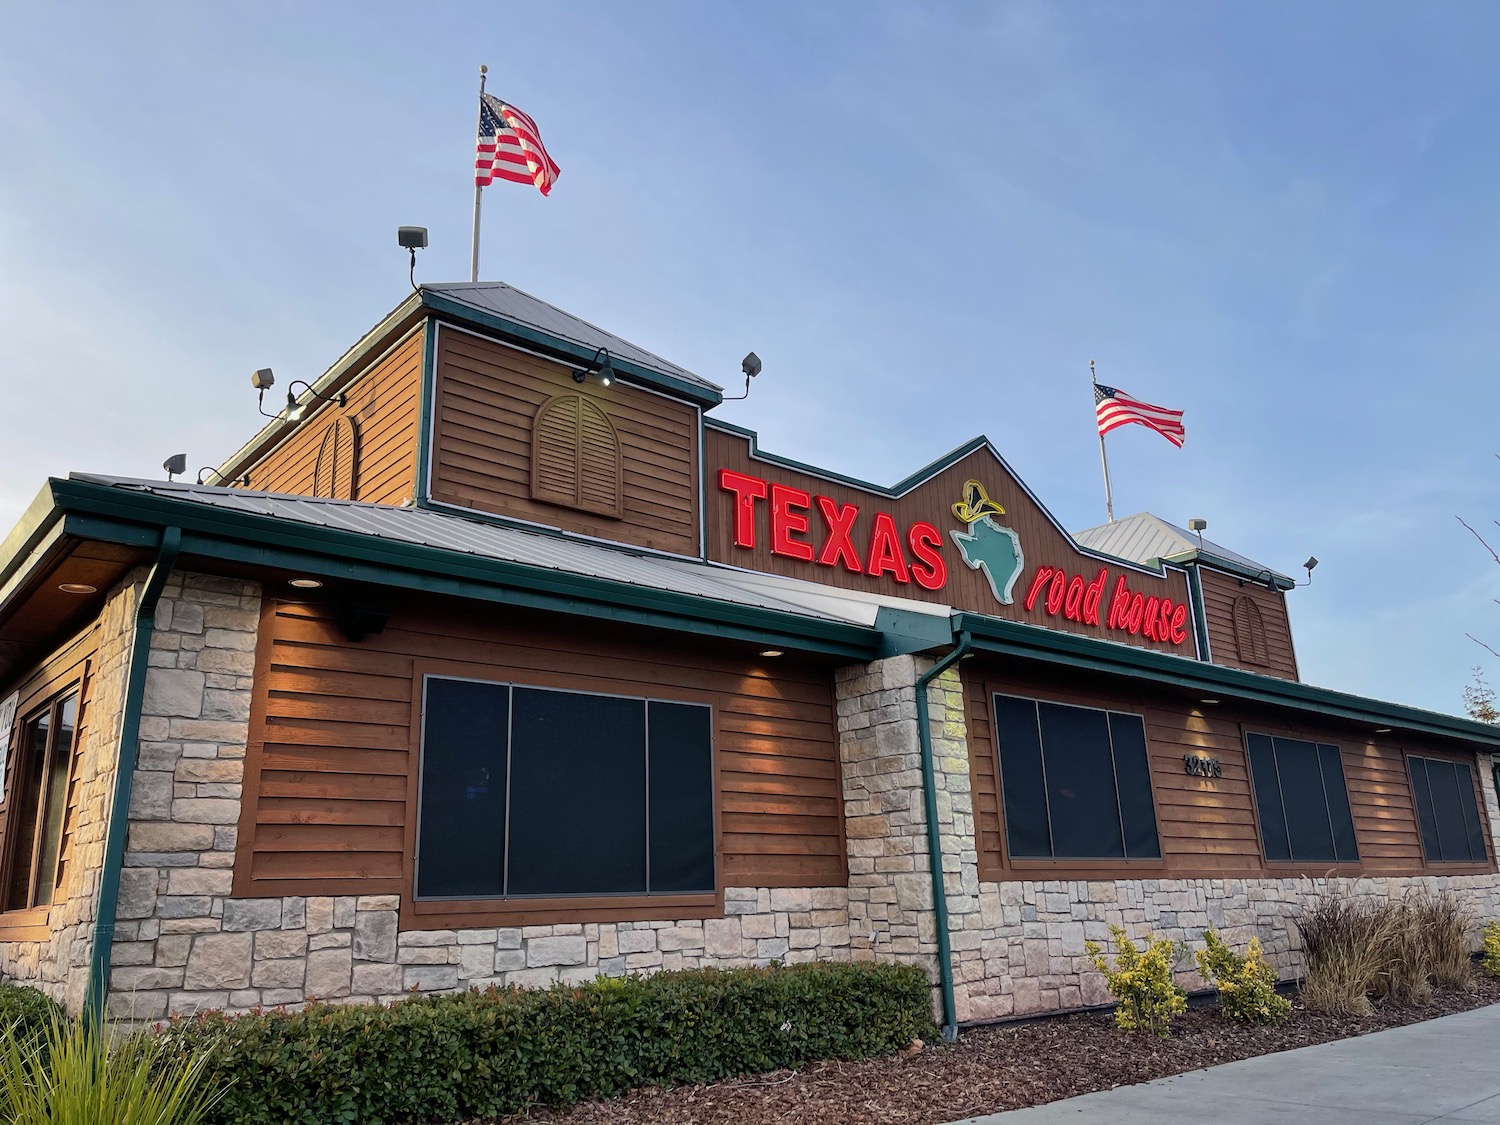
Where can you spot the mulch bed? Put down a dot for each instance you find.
(992, 1069)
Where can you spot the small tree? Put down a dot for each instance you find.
(1141, 980)
(1479, 699)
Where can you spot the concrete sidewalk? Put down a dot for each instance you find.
(1446, 1069)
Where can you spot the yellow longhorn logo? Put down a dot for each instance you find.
(976, 504)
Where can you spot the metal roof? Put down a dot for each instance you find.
(1146, 538)
(499, 299)
(488, 540)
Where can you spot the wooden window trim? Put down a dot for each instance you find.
(489, 912)
(37, 915)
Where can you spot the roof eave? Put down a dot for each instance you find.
(1216, 680)
(1218, 562)
(96, 511)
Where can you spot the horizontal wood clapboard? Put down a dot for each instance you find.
(331, 772)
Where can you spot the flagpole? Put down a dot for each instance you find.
(474, 245)
(1109, 500)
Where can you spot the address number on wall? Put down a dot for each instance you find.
(1200, 765)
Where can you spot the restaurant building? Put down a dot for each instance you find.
(507, 663)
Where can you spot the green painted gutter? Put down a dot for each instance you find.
(130, 740)
(1071, 650)
(935, 836)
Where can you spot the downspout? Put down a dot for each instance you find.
(130, 738)
(934, 835)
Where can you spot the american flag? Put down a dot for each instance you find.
(1116, 408)
(510, 147)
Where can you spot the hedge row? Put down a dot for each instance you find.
(482, 1054)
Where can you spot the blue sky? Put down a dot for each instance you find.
(1281, 218)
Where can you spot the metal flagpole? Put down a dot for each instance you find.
(1109, 500)
(474, 245)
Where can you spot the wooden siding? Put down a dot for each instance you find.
(380, 415)
(1220, 592)
(487, 400)
(1207, 826)
(331, 773)
(1042, 542)
(69, 666)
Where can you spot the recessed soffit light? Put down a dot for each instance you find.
(306, 583)
(1208, 701)
(771, 652)
(77, 588)
(1382, 730)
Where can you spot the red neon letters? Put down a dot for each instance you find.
(1149, 616)
(914, 557)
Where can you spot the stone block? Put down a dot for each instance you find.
(202, 810)
(428, 937)
(637, 941)
(531, 978)
(509, 960)
(721, 937)
(375, 935)
(218, 961)
(273, 944)
(199, 881)
(328, 973)
(211, 770)
(282, 973)
(173, 692)
(377, 980)
(556, 951)
(429, 978)
(151, 796)
(319, 915)
(231, 705)
(429, 955)
(676, 938)
(241, 914)
(166, 836)
(378, 902)
(137, 979)
(477, 960)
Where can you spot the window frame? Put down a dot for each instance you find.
(1073, 866)
(1294, 865)
(511, 910)
(22, 766)
(1454, 866)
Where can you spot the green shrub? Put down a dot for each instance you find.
(1141, 980)
(27, 1009)
(69, 1074)
(1490, 957)
(1246, 984)
(485, 1054)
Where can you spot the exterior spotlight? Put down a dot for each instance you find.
(1312, 561)
(750, 365)
(175, 465)
(1198, 527)
(603, 370)
(296, 409)
(412, 239)
(263, 380)
(203, 473)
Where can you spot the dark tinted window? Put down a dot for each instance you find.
(578, 779)
(1447, 811)
(1075, 782)
(42, 749)
(529, 792)
(465, 728)
(1301, 800)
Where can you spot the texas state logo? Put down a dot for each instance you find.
(987, 546)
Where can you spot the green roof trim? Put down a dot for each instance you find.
(568, 350)
(115, 515)
(1074, 651)
(1228, 566)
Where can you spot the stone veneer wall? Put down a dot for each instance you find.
(59, 965)
(182, 944)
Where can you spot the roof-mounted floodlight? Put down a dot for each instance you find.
(1198, 527)
(750, 365)
(175, 465)
(1312, 561)
(412, 239)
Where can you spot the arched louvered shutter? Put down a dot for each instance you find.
(336, 471)
(1250, 632)
(575, 456)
